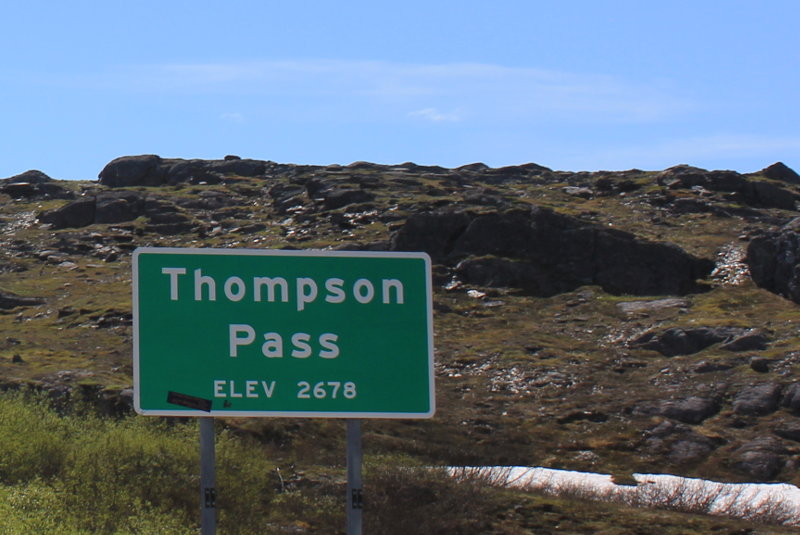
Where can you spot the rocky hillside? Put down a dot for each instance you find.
(607, 321)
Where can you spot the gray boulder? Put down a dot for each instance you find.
(676, 341)
(788, 430)
(780, 171)
(528, 171)
(78, 213)
(9, 300)
(751, 340)
(760, 364)
(691, 449)
(285, 196)
(680, 443)
(757, 400)
(240, 167)
(34, 184)
(767, 195)
(113, 207)
(791, 398)
(34, 176)
(761, 459)
(18, 190)
(683, 175)
(144, 170)
(340, 197)
(691, 410)
(760, 465)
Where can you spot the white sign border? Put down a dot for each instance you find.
(293, 253)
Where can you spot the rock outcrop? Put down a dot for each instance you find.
(78, 213)
(780, 171)
(9, 300)
(676, 341)
(118, 207)
(33, 184)
(736, 187)
(546, 253)
(773, 260)
(152, 170)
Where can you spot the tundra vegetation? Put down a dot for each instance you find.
(612, 322)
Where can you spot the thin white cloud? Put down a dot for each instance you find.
(484, 92)
(434, 115)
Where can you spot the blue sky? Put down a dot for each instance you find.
(581, 85)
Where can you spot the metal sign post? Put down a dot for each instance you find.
(355, 497)
(208, 477)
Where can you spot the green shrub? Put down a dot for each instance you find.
(116, 468)
(92, 474)
(32, 439)
(32, 508)
(37, 508)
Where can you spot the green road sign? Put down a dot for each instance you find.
(246, 332)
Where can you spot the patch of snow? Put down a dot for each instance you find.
(777, 503)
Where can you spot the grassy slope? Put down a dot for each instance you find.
(512, 370)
